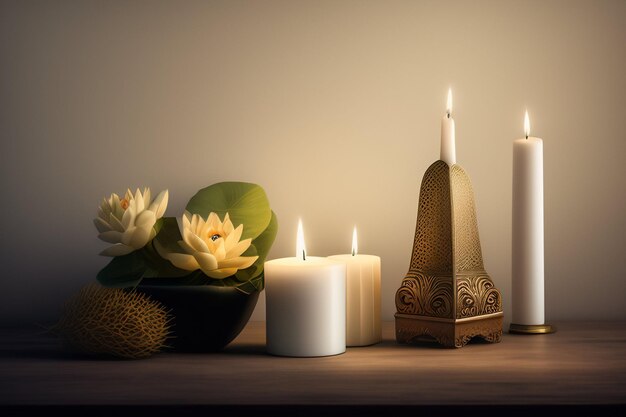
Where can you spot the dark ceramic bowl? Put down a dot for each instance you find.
(205, 318)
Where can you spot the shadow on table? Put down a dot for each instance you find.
(38, 343)
(31, 343)
(419, 344)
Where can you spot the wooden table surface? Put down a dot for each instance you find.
(583, 365)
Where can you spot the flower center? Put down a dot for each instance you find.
(215, 236)
(124, 203)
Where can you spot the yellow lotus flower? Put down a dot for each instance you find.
(212, 246)
(128, 223)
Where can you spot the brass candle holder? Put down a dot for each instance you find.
(447, 295)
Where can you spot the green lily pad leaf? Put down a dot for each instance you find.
(159, 267)
(247, 274)
(244, 202)
(123, 271)
(248, 287)
(255, 284)
(169, 234)
(261, 245)
(167, 237)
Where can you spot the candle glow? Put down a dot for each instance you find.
(449, 103)
(526, 125)
(355, 246)
(300, 247)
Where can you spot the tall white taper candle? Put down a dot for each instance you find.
(527, 245)
(448, 147)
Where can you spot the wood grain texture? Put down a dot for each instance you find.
(582, 364)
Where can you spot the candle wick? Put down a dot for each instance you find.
(303, 255)
(353, 252)
(526, 137)
(448, 113)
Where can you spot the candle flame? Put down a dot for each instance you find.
(355, 245)
(449, 103)
(300, 248)
(526, 125)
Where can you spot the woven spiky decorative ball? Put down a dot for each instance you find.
(113, 322)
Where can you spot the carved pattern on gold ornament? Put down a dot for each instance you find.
(425, 295)
(476, 295)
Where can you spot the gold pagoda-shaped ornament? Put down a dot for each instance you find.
(447, 295)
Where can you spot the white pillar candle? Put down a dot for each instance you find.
(363, 316)
(305, 304)
(527, 246)
(448, 147)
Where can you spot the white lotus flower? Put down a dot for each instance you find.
(128, 223)
(212, 246)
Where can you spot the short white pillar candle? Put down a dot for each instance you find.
(305, 305)
(363, 285)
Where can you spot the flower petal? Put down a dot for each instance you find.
(139, 237)
(115, 223)
(105, 202)
(139, 201)
(116, 206)
(195, 242)
(203, 231)
(128, 235)
(233, 237)
(214, 221)
(194, 223)
(101, 225)
(146, 197)
(239, 248)
(129, 215)
(111, 236)
(160, 204)
(187, 247)
(104, 210)
(119, 249)
(182, 261)
(228, 225)
(145, 219)
(206, 261)
(221, 273)
(220, 252)
(241, 262)
(186, 218)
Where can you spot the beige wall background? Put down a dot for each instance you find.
(333, 107)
